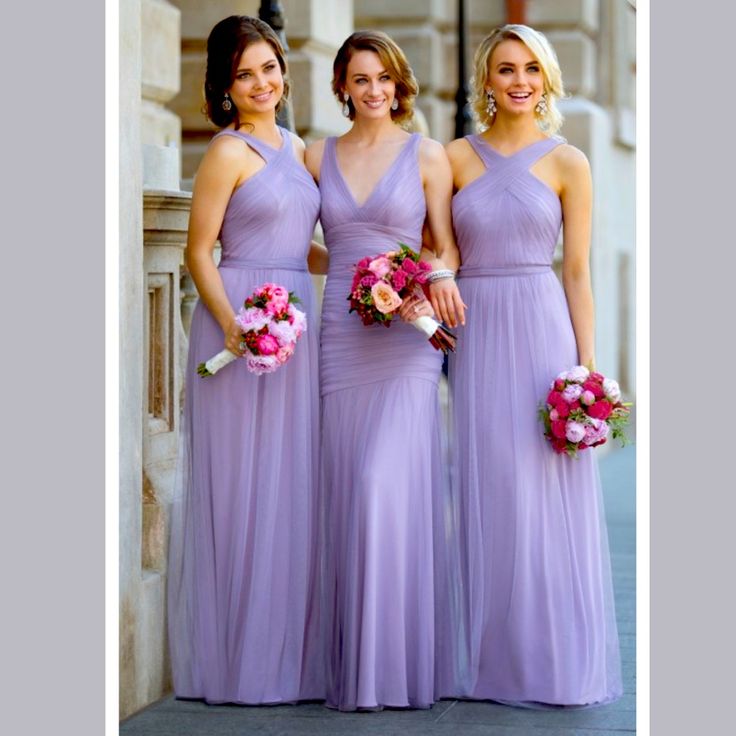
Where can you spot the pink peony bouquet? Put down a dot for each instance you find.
(271, 325)
(582, 409)
(382, 282)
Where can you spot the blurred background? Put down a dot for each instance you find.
(163, 134)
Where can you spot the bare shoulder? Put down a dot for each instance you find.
(313, 156)
(297, 142)
(431, 151)
(458, 150)
(570, 160)
(228, 156)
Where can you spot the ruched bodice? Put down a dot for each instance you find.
(507, 217)
(394, 212)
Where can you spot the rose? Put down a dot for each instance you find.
(587, 397)
(595, 376)
(578, 374)
(563, 409)
(385, 298)
(595, 388)
(575, 431)
(259, 364)
(559, 384)
(572, 392)
(612, 390)
(285, 353)
(380, 266)
(278, 299)
(600, 410)
(267, 344)
(252, 318)
(558, 428)
(363, 262)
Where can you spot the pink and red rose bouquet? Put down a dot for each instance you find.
(583, 408)
(270, 325)
(382, 282)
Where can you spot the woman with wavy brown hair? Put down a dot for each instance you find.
(381, 464)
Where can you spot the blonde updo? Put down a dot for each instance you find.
(551, 121)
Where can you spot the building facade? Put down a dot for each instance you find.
(163, 134)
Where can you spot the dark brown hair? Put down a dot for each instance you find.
(394, 62)
(225, 45)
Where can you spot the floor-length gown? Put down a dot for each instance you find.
(243, 558)
(539, 603)
(381, 467)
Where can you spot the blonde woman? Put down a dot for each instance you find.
(538, 595)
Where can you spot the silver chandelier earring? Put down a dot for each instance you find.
(491, 106)
(541, 107)
(226, 104)
(345, 106)
(395, 104)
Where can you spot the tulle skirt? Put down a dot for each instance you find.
(537, 615)
(242, 601)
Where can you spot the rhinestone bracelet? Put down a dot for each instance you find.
(442, 273)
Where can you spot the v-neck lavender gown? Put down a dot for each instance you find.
(539, 598)
(243, 558)
(381, 466)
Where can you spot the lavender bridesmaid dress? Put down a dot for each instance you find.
(381, 469)
(243, 562)
(539, 602)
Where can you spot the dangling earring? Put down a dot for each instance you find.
(491, 106)
(541, 107)
(226, 104)
(345, 106)
(395, 104)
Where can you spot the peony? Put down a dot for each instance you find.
(587, 397)
(380, 266)
(298, 320)
(612, 390)
(559, 444)
(600, 410)
(267, 344)
(554, 415)
(368, 280)
(399, 279)
(558, 429)
(262, 363)
(278, 300)
(283, 331)
(385, 298)
(409, 266)
(562, 377)
(595, 431)
(595, 388)
(578, 374)
(252, 318)
(574, 431)
(563, 409)
(572, 392)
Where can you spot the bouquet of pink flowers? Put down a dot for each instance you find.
(582, 409)
(382, 282)
(270, 325)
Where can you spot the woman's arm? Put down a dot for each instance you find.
(318, 259)
(227, 163)
(576, 195)
(437, 181)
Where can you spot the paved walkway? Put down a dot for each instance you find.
(170, 717)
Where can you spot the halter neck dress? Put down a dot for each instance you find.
(243, 559)
(538, 601)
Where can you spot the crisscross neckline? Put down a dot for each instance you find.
(380, 179)
(515, 153)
